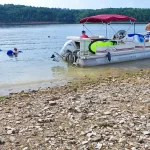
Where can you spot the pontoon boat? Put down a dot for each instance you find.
(100, 50)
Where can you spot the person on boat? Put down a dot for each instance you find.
(84, 35)
(147, 27)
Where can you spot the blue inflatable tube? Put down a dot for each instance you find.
(140, 35)
(11, 53)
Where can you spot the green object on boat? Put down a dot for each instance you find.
(94, 44)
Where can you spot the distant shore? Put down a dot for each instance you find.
(27, 23)
(40, 23)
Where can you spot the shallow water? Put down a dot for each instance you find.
(35, 67)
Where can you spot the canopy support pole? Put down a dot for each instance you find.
(134, 27)
(106, 30)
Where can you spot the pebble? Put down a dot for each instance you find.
(26, 148)
(99, 146)
(84, 142)
(2, 141)
(133, 148)
(146, 132)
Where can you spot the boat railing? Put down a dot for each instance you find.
(85, 42)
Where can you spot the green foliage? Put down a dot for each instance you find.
(10, 13)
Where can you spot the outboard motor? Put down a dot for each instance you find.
(68, 51)
(68, 46)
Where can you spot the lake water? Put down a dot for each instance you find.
(35, 67)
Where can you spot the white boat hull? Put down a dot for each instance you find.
(97, 60)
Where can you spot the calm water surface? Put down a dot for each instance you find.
(34, 65)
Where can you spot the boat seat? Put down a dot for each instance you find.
(119, 35)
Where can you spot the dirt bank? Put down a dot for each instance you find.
(111, 113)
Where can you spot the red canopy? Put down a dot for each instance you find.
(107, 18)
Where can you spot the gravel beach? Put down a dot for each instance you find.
(92, 113)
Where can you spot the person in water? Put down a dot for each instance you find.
(84, 35)
(15, 51)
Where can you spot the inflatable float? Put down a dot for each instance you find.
(11, 52)
(101, 43)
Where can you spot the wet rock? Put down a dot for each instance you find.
(148, 125)
(12, 131)
(99, 146)
(72, 98)
(141, 139)
(96, 139)
(83, 116)
(26, 148)
(146, 132)
(133, 148)
(128, 133)
(122, 140)
(84, 142)
(146, 101)
(52, 103)
(2, 142)
(113, 139)
(12, 138)
(107, 113)
(90, 134)
(18, 122)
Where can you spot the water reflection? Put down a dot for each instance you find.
(13, 56)
(58, 70)
(109, 69)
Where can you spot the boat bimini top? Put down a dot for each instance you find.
(106, 18)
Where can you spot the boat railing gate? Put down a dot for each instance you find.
(84, 46)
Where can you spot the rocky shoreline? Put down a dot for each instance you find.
(109, 113)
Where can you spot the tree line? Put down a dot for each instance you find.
(10, 13)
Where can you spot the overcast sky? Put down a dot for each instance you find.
(81, 4)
